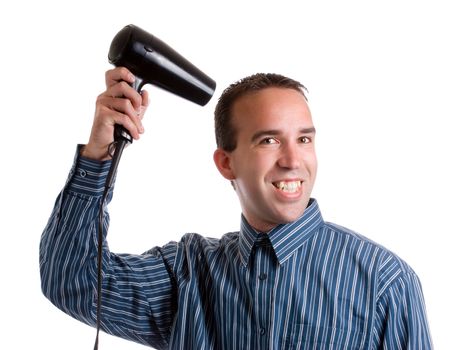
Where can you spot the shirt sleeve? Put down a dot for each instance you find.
(138, 291)
(401, 321)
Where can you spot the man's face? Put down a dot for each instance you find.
(274, 165)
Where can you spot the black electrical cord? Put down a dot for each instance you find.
(115, 150)
(99, 266)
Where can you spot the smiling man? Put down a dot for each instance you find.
(285, 280)
(273, 165)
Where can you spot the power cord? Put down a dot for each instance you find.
(115, 150)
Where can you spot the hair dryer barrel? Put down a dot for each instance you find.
(154, 62)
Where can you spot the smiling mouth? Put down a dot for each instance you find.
(288, 186)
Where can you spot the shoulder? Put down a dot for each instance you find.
(199, 241)
(200, 255)
(388, 267)
(365, 243)
(195, 245)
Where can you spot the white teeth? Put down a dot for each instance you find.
(291, 186)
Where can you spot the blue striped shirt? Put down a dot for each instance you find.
(308, 284)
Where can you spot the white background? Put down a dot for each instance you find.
(387, 87)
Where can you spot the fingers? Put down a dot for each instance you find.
(112, 109)
(128, 123)
(123, 89)
(114, 76)
(118, 104)
(144, 104)
(119, 87)
(121, 97)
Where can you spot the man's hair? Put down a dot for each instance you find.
(225, 133)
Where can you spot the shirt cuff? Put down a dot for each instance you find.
(88, 176)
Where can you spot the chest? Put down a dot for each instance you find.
(307, 301)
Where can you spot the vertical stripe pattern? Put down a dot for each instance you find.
(304, 285)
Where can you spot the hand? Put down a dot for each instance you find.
(118, 104)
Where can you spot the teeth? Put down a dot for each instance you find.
(290, 186)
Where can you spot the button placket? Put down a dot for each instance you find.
(264, 263)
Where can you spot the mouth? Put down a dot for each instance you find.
(288, 186)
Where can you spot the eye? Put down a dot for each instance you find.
(269, 141)
(305, 139)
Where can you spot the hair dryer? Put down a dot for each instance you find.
(154, 62)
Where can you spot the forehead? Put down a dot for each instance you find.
(271, 108)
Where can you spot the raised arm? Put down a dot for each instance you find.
(138, 291)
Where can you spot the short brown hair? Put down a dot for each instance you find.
(225, 133)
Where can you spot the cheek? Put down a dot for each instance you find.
(255, 167)
(264, 167)
(314, 164)
(253, 175)
(311, 161)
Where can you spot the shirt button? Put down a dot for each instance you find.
(82, 173)
(263, 276)
(262, 331)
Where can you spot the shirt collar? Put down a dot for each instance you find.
(285, 238)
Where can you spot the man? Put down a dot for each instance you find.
(286, 280)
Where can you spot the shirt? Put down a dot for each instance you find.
(308, 284)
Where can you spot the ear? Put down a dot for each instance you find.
(222, 160)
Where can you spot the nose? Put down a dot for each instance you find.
(289, 157)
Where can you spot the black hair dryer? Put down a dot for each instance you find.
(154, 62)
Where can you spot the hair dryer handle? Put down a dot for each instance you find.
(120, 132)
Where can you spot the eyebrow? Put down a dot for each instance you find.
(273, 132)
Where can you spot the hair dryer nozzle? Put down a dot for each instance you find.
(154, 62)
